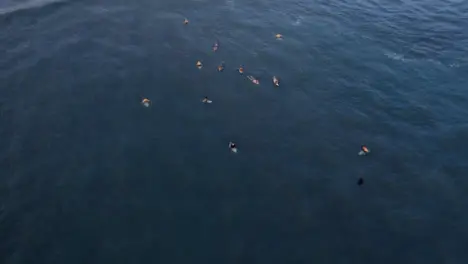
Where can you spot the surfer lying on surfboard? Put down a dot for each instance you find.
(206, 100)
(233, 147)
(221, 67)
(252, 79)
(364, 151)
(275, 81)
(146, 102)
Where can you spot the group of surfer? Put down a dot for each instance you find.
(232, 146)
(221, 67)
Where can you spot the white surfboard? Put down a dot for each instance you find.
(362, 153)
(234, 150)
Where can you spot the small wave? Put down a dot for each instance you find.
(32, 4)
(231, 4)
(402, 58)
(395, 56)
(297, 21)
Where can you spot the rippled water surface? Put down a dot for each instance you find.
(88, 175)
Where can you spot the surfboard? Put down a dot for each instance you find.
(234, 150)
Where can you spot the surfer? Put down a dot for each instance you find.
(364, 151)
(199, 64)
(279, 36)
(233, 147)
(215, 46)
(206, 100)
(241, 70)
(252, 79)
(145, 102)
(221, 67)
(275, 81)
(185, 21)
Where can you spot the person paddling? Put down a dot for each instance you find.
(252, 79)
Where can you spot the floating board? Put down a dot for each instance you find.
(207, 102)
(146, 104)
(362, 153)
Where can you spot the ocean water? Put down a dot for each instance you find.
(88, 175)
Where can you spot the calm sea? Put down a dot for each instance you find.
(88, 175)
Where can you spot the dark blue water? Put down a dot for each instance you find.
(88, 175)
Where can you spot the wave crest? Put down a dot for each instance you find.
(31, 4)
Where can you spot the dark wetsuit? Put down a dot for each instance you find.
(232, 145)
